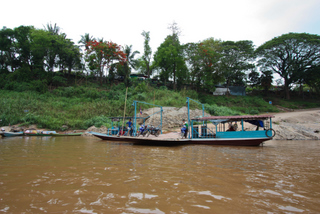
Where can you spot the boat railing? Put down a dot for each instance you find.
(203, 132)
(119, 131)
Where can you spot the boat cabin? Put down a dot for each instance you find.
(232, 127)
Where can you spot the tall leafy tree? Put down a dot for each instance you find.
(69, 56)
(169, 58)
(56, 39)
(237, 58)
(312, 78)
(254, 78)
(193, 63)
(101, 55)
(291, 56)
(28, 54)
(202, 60)
(146, 58)
(210, 55)
(266, 80)
(124, 68)
(6, 40)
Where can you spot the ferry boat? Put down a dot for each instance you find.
(213, 130)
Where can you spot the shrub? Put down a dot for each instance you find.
(59, 81)
(97, 121)
(220, 110)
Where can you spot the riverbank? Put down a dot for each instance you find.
(293, 125)
(297, 125)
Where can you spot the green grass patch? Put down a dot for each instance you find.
(79, 107)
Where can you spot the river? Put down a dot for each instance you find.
(88, 175)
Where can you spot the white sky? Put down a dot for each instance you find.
(123, 21)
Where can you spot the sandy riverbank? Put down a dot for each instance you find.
(297, 125)
(293, 125)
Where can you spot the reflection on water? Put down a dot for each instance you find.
(87, 175)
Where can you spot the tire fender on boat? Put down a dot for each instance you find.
(272, 134)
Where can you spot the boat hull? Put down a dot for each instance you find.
(37, 134)
(177, 141)
(52, 134)
(64, 135)
(230, 141)
(11, 134)
(141, 140)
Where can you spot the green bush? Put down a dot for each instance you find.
(220, 110)
(97, 121)
(59, 81)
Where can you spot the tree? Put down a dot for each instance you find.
(291, 56)
(254, 78)
(69, 56)
(14, 48)
(55, 42)
(28, 54)
(6, 49)
(237, 58)
(193, 63)
(266, 80)
(85, 39)
(202, 60)
(53, 29)
(312, 78)
(169, 58)
(147, 52)
(124, 69)
(101, 55)
(210, 55)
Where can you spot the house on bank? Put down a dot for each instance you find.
(230, 90)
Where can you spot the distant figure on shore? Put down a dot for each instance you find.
(184, 123)
(129, 124)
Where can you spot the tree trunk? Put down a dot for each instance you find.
(148, 69)
(174, 77)
(286, 89)
(100, 76)
(69, 72)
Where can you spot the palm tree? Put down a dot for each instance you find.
(53, 29)
(131, 62)
(85, 39)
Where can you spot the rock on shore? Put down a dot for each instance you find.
(297, 125)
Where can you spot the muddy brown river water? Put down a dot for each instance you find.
(88, 175)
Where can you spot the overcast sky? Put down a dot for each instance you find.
(123, 21)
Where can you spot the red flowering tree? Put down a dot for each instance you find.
(210, 73)
(101, 55)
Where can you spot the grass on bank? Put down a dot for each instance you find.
(80, 107)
